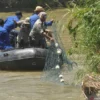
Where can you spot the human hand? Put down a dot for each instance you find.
(52, 20)
(48, 31)
(52, 39)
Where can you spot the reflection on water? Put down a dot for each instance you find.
(28, 86)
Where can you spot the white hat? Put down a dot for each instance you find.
(42, 14)
(26, 21)
(20, 22)
(39, 8)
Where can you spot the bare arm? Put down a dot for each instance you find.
(48, 37)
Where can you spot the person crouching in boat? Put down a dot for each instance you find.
(4, 37)
(23, 36)
(10, 24)
(38, 33)
(12, 35)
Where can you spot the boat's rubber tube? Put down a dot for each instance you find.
(23, 59)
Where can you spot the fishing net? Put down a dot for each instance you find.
(57, 63)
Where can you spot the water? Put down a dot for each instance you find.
(29, 86)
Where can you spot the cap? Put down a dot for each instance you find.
(18, 13)
(42, 14)
(39, 8)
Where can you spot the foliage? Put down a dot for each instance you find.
(87, 32)
(54, 3)
(84, 3)
(91, 30)
(88, 27)
(93, 63)
(32, 3)
(9, 3)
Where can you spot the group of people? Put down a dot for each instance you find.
(33, 30)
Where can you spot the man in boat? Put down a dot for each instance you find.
(10, 24)
(39, 32)
(18, 15)
(23, 36)
(12, 19)
(35, 16)
(4, 37)
(12, 35)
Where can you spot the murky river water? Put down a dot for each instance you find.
(29, 86)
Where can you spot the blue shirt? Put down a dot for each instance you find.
(9, 23)
(11, 18)
(9, 26)
(4, 37)
(34, 18)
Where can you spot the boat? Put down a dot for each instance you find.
(23, 59)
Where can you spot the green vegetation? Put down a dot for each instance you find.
(86, 34)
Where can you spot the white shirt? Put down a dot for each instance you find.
(37, 30)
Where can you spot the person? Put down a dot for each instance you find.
(17, 17)
(22, 39)
(4, 37)
(38, 33)
(12, 34)
(35, 17)
(10, 24)
(11, 20)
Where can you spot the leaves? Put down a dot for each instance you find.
(88, 35)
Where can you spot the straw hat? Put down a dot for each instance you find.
(39, 8)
